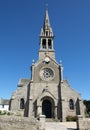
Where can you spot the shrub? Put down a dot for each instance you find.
(0, 112)
(71, 118)
(3, 113)
(8, 113)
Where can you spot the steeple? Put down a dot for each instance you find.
(46, 29)
(46, 38)
(46, 21)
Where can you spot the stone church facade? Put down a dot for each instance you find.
(46, 93)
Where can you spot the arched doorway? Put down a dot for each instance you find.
(47, 108)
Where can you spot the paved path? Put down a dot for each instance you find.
(60, 125)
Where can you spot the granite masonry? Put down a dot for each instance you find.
(46, 92)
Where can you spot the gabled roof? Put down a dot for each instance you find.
(23, 82)
(51, 59)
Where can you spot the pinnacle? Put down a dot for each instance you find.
(46, 20)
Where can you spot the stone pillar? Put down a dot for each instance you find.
(46, 43)
(30, 107)
(80, 125)
(32, 69)
(82, 108)
(55, 112)
(61, 71)
(52, 45)
(42, 122)
(64, 113)
(41, 44)
(11, 106)
(39, 111)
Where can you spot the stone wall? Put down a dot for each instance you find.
(83, 123)
(18, 123)
(68, 93)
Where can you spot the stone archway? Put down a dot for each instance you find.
(48, 107)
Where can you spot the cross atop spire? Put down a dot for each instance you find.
(46, 5)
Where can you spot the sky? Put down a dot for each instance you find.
(20, 25)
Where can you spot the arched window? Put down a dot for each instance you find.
(22, 103)
(44, 44)
(71, 104)
(46, 33)
(49, 44)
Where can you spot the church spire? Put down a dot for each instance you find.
(46, 21)
(46, 38)
(46, 29)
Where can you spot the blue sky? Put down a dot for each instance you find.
(20, 24)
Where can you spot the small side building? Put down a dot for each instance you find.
(4, 104)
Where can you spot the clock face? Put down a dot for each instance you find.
(46, 74)
(47, 59)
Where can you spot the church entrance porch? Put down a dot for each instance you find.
(48, 108)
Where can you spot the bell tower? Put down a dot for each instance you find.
(46, 39)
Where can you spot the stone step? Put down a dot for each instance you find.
(54, 126)
(61, 126)
(52, 120)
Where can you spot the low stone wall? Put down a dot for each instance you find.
(83, 123)
(18, 123)
(25, 123)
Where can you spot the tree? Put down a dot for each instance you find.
(87, 104)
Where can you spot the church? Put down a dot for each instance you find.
(46, 93)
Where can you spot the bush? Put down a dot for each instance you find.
(0, 112)
(8, 113)
(5, 112)
(71, 118)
